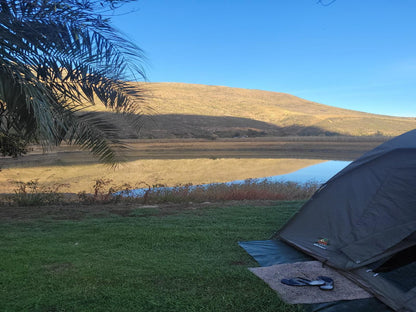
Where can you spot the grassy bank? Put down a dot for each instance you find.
(150, 259)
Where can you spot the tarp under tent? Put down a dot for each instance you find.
(362, 222)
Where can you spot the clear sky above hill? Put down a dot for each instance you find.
(355, 54)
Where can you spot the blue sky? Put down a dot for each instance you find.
(354, 54)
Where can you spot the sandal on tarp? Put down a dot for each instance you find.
(300, 281)
(329, 283)
(293, 282)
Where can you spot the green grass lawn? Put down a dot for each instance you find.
(187, 260)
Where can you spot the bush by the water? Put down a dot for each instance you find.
(32, 193)
(249, 190)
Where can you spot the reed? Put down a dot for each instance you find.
(32, 193)
(248, 190)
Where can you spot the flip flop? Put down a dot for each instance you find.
(292, 282)
(318, 282)
(300, 281)
(329, 283)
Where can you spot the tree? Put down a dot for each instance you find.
(58, 57)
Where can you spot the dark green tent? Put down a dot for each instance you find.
(363, 222)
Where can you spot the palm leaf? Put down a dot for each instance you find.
(57, 58)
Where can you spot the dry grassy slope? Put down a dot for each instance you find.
(272, 109)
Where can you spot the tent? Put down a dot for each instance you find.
(363, 222)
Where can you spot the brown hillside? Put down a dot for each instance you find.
(182, 110)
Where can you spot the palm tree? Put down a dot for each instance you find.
(58, 57)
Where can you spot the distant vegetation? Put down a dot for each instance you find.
(200, 111)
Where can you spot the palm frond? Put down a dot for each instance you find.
(92, 133)
(58, 57)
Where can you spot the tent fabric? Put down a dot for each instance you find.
(359, 305)
(404, 141)
(396, 289)
(364, 214)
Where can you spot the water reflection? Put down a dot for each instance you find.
(318, 173)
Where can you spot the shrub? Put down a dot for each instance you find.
(249, 190)
(33, 194)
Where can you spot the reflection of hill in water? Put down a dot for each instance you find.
(169, 172)
(318, 173)
(313, 173)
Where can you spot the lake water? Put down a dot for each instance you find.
(319, 173)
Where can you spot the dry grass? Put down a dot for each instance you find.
(179, 110)
(247, 190)
(278, 109)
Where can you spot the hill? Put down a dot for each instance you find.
(180, 110)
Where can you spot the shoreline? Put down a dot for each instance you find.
(179, 162)
(327, 148)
